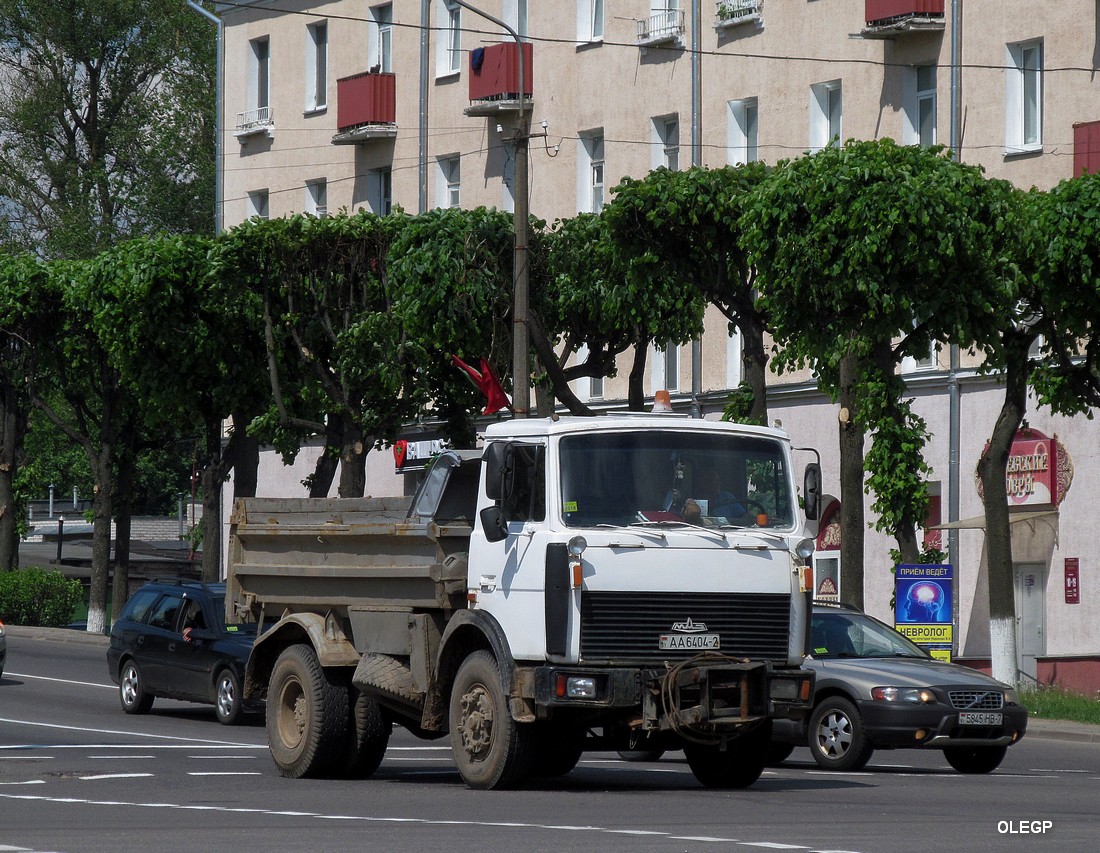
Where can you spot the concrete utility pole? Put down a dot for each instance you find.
(521, 369)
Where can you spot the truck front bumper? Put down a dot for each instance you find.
(699, 693)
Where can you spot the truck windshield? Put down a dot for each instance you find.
(671, 477)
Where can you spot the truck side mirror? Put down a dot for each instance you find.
(499, 465)
(492, 520)
(811, 491)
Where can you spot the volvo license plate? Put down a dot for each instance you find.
(980, 718)
(692, 642)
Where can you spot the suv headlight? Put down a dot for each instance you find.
(911, 695)
(1011, 696)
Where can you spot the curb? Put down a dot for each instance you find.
(58, 635)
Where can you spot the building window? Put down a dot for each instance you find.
(743, 141)
(1024, 98)
(590, 17)
(380, 50)
(515, 16)
(316, 66)
(666, 367)
(449, 55)
(733, 358)
(920, 106)
(259, 62)
(826, 112)
(587, 387)
(317, 197)
(380, 191)
(590, 183)
(921, 363)
(258, 204)
(449, 185)
(666, 139)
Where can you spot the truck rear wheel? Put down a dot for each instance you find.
(368, 735)
(490, 748)
(307, 715)
(737, 766)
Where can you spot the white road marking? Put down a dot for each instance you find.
(224, 773)
(62, 681)
(220, 744)
(27, 782)
(367, 819)
(100, 776)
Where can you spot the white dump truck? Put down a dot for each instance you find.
(575, 584)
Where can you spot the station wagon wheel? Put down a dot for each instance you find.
(975, 759)
(837, 739)
(131, 690)
(227, 698)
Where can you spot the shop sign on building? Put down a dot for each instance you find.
(1073, 580)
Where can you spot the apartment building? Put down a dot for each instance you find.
(351, 104)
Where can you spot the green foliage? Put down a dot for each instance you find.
(34, 597)
(108, 111)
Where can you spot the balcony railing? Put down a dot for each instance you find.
(731, 13)
(891, 18)
(252, 122)
(664, 27)
(494, 79)
(366, 108)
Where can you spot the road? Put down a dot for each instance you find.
(76, 774)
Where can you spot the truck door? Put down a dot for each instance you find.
(509, 575)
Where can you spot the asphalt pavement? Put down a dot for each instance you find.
(1036, 727)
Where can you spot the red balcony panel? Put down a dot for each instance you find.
(498, 76)
(1086, 148)
(882, 10)
(366, 99)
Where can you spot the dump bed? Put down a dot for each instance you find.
(326, 555)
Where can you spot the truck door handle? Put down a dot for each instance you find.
(488, 583)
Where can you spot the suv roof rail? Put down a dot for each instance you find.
(186, 582)
(839, 605)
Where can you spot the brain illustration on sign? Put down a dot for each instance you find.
(924, 603)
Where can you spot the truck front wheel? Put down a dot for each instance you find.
(307, 715)
(737, 766)
(490, 748)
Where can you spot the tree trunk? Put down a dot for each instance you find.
(353, 461)
(102, 500)
(754, 363)
(124, 506)
(243, 451)
(213, 476)
(992, 469)
(851, 486)
(635, 394)
(10, 440)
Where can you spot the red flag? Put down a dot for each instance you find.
(487, 383)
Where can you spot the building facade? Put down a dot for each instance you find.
(352, 104)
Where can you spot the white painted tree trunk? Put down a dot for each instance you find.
(97, 620)
(1002, 647)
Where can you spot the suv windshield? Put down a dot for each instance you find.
(675, 478)
(855, 635)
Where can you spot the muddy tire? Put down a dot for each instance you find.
(557, 750)
(738, 766)
(779, 752)
(131, 690)
(368, 735)
(307, 715)
(641, 754)
(491, 750)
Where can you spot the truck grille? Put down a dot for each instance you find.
(976, 700)
(627, 625)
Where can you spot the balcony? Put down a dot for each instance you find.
(254, 122)
(732, 13)
(494, 79)
(664, 28)
(888, 19)
(366, 108)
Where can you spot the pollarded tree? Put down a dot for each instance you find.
(866, 253)
(106, 122)
(587, 297)
(688, 225)
(339, 362)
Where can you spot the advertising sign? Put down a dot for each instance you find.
(1073, 580)
(923, 605)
